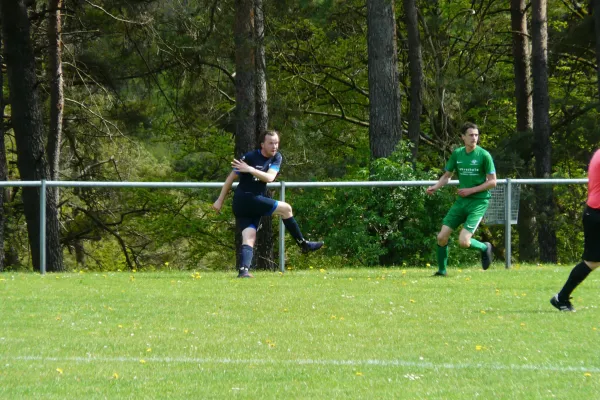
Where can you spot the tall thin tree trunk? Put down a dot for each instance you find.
(596, 12)
(245, 97)
(264, 255)
(56, 91)
(385, 130)
(27, 124)
(415, 62)
(524, 108)
(3, 165)
(541, 129)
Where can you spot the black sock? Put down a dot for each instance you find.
(292, 226)
(578, 274)
(247, 253)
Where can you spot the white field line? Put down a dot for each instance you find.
(324, 362)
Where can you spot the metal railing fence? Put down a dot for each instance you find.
(282, 186)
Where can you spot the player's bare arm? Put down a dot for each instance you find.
(490, 183)
(241, 166)
(218, 204)
(443, 181)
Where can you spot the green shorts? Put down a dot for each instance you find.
(468, 212)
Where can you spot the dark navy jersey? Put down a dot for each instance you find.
(248, 182)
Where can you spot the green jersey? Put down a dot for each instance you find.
(472, 169)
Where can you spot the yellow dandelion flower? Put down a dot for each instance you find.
(119, 326)
(349, 279)
(58, 318)
(285, 310)
(467, 279)
(594, 328)
(403, 272)
(460, 270)
(522, 323)
(587, 374)
(148, 350)
(333, 317)
(135, 270)
(411, 300)
(166, 263)
(428, 265)
(115, 376)
(59, 370)
(81, 271)
(478, 347)
(483, 311)
(358, 373)
(322, 270)
(142, 361)
(185, 331)
(272, 345)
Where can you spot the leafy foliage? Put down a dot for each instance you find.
(151, 97)
(378, 226)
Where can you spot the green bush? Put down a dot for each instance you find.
(377, 226)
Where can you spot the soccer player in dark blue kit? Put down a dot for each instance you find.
(255, 169)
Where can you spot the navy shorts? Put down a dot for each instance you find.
(248, 208)
(591, 234)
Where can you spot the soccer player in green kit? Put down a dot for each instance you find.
(476, 176)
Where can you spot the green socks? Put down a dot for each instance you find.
(476, 244)
(442, 254)
(442, 258)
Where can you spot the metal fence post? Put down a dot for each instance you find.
(507, 223)
(282, 232)
(43, 227)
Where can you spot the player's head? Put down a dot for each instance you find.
(269, 143)
(469, 134)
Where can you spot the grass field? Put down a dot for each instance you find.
(320, 334)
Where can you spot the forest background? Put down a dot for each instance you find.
(157, 90)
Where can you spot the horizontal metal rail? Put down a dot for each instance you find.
(277, 185)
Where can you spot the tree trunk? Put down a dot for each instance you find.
(264, 255)
(79, 253)
(56, 92)
(596, 12)
(245, 78)
(415, 62)
(28, 127)
(3, 165)
(11, 252)
(385, 128)
(522, 66)
(524, 107)
(541, 130)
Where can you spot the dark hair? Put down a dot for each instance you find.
(466, 126)
(266, 133)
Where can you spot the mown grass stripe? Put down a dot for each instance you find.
(377, 363)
